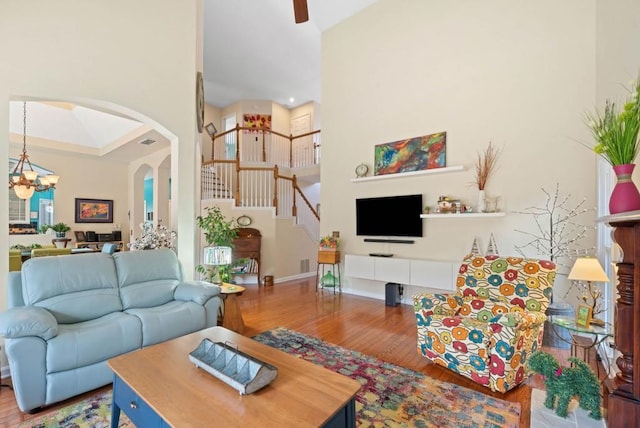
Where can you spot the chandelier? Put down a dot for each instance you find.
(25, 181)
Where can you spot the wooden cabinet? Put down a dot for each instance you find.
(623, 391)
(247, 247)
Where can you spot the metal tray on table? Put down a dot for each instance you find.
(235, 368)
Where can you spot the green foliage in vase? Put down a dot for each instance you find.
(616, 132)
(60, 227)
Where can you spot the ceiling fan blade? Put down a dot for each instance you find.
(300, 11)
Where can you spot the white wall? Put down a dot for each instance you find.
(518, 74)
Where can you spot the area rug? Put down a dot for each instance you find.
(393, 396)
(94, 412)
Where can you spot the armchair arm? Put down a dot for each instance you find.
(196, 291)
(516, 335)
(26, 321)
(520, 320)
(428, 304)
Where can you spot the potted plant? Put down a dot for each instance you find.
(61, 229)
(329, 243)
(616, 135)
(218, 232)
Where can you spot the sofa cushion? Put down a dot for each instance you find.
(69, 287)
(169, 321)
(85, 343)
(147, 278)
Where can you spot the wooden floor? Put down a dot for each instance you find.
(358, 323)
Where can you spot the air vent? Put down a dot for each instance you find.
(147, 142)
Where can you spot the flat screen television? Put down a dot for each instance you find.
(389, 216)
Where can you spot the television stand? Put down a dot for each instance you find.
(381, 254)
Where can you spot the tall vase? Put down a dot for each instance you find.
(481, 203)
(625, 196)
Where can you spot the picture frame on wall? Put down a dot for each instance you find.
(583, 315)
(94, 210)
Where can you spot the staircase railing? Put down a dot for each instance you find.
(245, 179)
(265, 145)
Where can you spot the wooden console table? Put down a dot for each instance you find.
(623, 406)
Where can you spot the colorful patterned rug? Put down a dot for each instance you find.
(391, 396)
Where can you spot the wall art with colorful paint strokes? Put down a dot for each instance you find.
(412, 154)
(256, 121)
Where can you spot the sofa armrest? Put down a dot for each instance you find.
(28, 321)
(196, 291)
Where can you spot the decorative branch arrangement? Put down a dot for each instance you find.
(485, 165)
(558, 234)
(151, 239)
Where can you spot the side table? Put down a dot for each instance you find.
(596, 334)
(231, 315)
(64, 242)
(328, 280)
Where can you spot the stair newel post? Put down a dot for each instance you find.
(275, 188)
(264, 147)
(213, 147)
(294, 208)
(237, 144)
(290, 151)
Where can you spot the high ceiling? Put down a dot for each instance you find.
(253, 50)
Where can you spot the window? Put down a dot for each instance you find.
(18, 209)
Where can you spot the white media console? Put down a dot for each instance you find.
(440, 275)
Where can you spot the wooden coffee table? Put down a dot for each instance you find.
(159, 386)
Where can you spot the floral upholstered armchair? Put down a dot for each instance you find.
(494, 322)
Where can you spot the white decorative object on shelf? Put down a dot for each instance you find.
(492, 248)
(444, 170)
(481, 202)
(475, 248)
(462, 215)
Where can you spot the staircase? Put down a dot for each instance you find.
(255, 167)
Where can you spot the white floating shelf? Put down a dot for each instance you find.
(443, 170)
(460, 216)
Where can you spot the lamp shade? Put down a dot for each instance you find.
(217, 256)
(24, 192)
(588, 269)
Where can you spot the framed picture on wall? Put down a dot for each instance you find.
(94, 210)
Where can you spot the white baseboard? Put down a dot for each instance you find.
(4, 372)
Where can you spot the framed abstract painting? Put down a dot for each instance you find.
(412, 154)
(94, 210)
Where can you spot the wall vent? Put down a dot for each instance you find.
(304, 265)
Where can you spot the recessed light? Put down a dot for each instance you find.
(147, 142)
(291, 100)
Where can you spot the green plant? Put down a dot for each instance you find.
(616, 132)
(329, 242)
(61, 227)
(220, 232)
(44, 228)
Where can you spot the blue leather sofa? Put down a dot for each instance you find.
(68, 315)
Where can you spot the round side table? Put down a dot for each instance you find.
(231, 315)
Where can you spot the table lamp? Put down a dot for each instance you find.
(588, 269)
(217, 256)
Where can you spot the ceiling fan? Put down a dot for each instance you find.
(300, 11)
